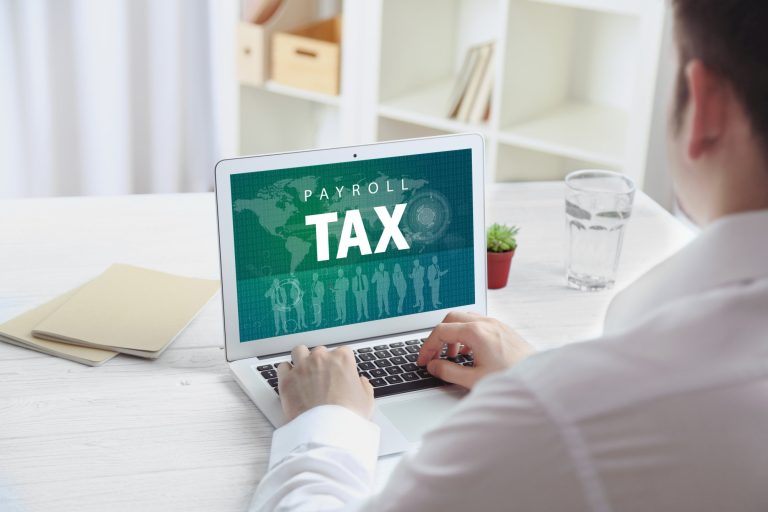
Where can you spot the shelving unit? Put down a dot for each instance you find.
(574, 82)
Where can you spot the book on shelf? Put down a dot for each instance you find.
(126, 309)
(471, 95)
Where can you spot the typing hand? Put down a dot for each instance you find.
(323, 377)
(494, 347)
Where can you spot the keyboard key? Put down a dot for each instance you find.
(269, 374)
(461, 358)
(397, 344)
(398, 360)
(383, 363)
(394, 370)
(412, 357)
(410, 367)
(365, 374)
(264, 367)
(366, 366)
(365, 350)
(272, 382)
(410, 377)
(412, 342)
(413, 349)
(381, 347)
(424, 374)
(406, 386)
(394, 379)
(367, 357)
(382, 354)
(378, 372)
(278, 364)
(468, 363)
(398, 351)
(377, 383)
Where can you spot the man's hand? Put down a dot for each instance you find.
(323, 377)
(494, 347)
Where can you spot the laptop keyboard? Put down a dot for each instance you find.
(391, 368)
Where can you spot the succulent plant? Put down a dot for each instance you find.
(502, 238)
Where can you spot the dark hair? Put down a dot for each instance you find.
(731, 38)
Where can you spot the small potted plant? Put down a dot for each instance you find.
(502, 242)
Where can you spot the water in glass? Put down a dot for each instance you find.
(598, 205)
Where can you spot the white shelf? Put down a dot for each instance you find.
(427, 106)
(286, 90)
(562, 131)
(628, 7)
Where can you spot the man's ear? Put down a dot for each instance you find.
(708, 108)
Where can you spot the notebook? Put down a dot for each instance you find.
(18, 331)
(128, 309)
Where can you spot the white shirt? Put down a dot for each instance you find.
(668, 411)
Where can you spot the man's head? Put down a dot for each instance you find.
(720, 127)
(381, 267)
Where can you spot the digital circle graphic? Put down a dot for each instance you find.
(427, 217)
(291, 284)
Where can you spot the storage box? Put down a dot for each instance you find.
(309, 57)
(253, 48)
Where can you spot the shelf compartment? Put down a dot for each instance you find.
(426, 106)
(519, 164)
(271, 122)
(391, 129)
(576, 130)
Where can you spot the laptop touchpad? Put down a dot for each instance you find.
(414, 415)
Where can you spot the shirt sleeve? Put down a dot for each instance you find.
(499, 449)
(322, 460)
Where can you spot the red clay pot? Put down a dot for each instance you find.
(498, 269)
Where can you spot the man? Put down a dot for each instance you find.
(434, 274)
(360, 291)
(318, 294)
(417, 275)
(278, 301)
(297, 298)
(381, 280)
(666, 412)
(340, 288)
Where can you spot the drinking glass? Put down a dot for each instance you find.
(598, 205)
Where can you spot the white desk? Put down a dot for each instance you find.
(177, 433)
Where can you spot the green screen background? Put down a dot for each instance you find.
(272, 242)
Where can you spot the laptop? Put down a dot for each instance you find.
(368, 246)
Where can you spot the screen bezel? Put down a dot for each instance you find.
(235, 349)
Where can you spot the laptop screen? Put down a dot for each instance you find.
(338, 244)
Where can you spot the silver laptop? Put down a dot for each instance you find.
(367, 246)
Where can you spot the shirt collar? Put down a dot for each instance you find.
(732, 249)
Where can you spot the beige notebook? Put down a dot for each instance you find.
(130, 310)
(18, 331)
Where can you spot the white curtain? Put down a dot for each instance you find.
(115, 96)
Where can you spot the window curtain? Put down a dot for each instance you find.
(115, 96)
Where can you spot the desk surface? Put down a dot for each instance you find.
(178, 433)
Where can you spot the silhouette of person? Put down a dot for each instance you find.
(360, 291)
(433, 277)
(417, 275)
(381, 280)
(297, 298)
(279, 300)
(401, 286)
(341, 287)
(318, 295)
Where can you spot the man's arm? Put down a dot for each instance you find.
(324, 459)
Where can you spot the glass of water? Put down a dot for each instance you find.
(598, 205)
